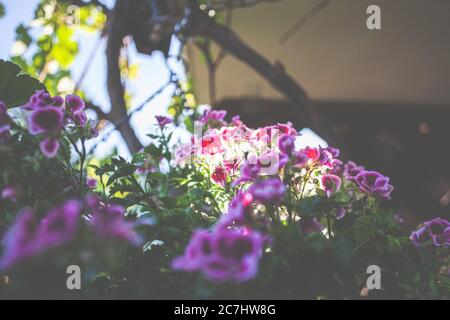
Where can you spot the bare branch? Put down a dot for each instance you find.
(117, 29)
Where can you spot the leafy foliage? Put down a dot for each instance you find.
(15, 86)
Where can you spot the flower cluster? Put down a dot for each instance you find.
(437, 230)
(49, 116)
(268, 175)
(28, 237)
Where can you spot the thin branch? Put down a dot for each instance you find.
(117, 29)
(304, 20)
(203, 26)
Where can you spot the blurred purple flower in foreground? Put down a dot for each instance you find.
(223, 254)
(9, 193)
(108, 221)
(27, 238)
(270, 191)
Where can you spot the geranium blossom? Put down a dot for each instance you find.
(74, 103)
(374, 183)
(10, 193)
(223, 254)
(27, 237)
(438, 230)
(108, 221)
(331, 184)
(270, 191)
(42, 99)
(163, 121)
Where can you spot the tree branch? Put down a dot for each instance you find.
(117, 29)
(203, 26)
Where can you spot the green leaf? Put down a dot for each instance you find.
(2, 10)
(16, 87)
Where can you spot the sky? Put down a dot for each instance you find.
(152, 75)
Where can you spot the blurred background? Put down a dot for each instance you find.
(382, 95)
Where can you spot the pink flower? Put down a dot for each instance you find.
(10, 193)
(79, 118)
(19, 243)
(351, 170)
(249, 172)
(91, 183)
(74, 103)
(163, 121)
(60, 225)
(270, 191)
(223, 254)
(46, 120)
(374, 183)
(108, 222)
(42, 99)
(49, 147)
(214, 118)
(239, 211)
(219, 176)
(27, 238)
(301, 158)
(331, 184)
(287, 144)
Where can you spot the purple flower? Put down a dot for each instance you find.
(223, 254)
(163, 121)
(301, 158)
(79, 118)
(249, 172)
(91, 183)
(333, 152)
(60, 225)
(310, 225)
(42, 99)
(236, 121)
(239, 211)
(351, 170)
(74, 103)
(340, 213)
(19, 242)
(27, 238)
(324, 157)
(10, 193)
(419, 236)
(4, 118)
(374, 183)
(214, 118)
(287, 144)
(46, 120)
(49, 147)
(438, 230)
(108, 222)
(4, 134)
(331, 184)
(270, 191)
